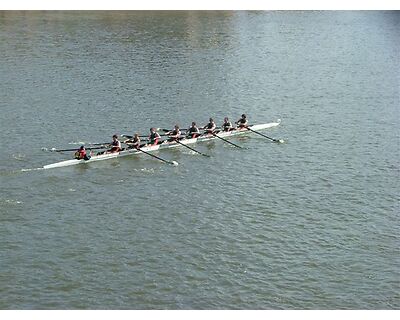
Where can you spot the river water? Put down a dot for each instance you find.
(309, 224)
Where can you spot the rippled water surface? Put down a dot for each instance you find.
(309, 224)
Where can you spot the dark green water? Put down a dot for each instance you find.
(309, 224)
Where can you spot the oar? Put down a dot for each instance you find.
(182, 144)
(174, 163)
(274, 140)
(130, 137)
(215, 135)
(99, 144)
(75, 149)
(91, 144)
(168, 130)
(130, 141)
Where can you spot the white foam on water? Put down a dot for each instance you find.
(19, 156)
(11, 201)
(145, 170)
(32, 169)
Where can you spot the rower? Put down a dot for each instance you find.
(81, 154)
(115, 145)
(174, 134)
(210, 126)
(227, 125)
(133, 142)
(193, 131)
(242, 122)
(154, 137)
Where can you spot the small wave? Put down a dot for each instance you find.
(19, 156)
(145, 170)
(32, 169)
(190, 153)
(6, 173)
(11, 202)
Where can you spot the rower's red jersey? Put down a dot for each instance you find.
(82, 153)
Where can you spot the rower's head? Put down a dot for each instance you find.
(136, 135)
(82, 148)
(176, 127)
(152, 129)
(115, 137)
(211, 120)
(193, 124)
(243, 116)
(226, 119)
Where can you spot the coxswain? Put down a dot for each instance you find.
(81, 154)
(133, 142)
(227, 125)
(115, 145)
(210, 126)
(193, 131)
(154, 137)
(174, 134)
(242, 122)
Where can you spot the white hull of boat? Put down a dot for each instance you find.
(164, 145)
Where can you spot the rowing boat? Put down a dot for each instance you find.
(164, 145)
